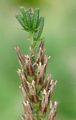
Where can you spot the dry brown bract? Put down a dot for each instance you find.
(36, 88)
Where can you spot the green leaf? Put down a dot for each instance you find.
(40, 29)
(20, 21)
(31, 18)
(19, 18)
(31, 14)
(25, 16)
(36, 18)
(28, 19)
(22, 10)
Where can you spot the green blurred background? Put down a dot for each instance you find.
(60, 36)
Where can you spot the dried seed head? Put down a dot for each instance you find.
(36, 88)
(52, 112)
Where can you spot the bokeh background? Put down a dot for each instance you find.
(60, 36)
